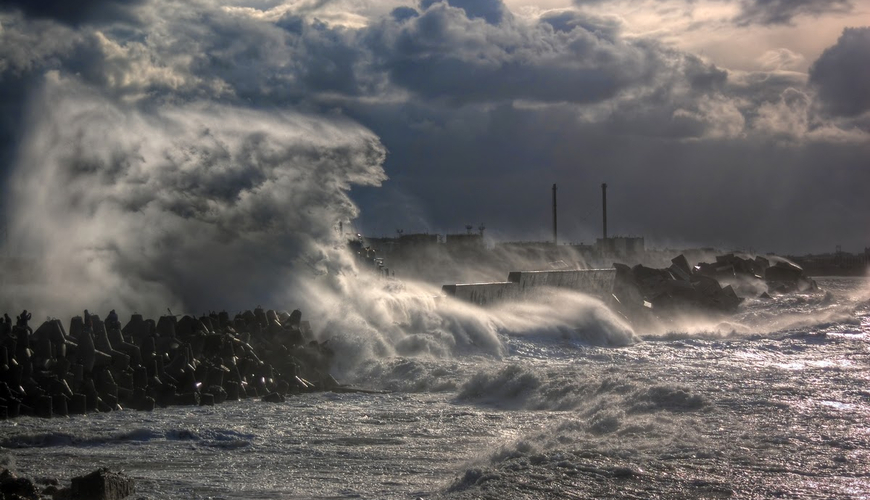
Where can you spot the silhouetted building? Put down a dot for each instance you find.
(403, 243)
(526, 245)
(620, 245)
(464, 241)
(838, 263)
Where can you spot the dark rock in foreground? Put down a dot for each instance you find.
(102, 484)
(12, 486)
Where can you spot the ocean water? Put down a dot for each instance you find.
(773, 402)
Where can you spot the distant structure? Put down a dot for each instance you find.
(469, 246)
(555, 225)
(417, 240)
(464, 242)
(403, 244)
(604, 207)
(620, 245)
(467, 241)
(839, 263)
(617, 246)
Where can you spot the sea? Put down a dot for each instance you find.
(771, 402)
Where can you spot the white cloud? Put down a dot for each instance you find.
(719, 117)
(780, 59)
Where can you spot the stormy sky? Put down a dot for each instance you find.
(741, 124)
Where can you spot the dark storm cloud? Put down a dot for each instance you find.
(195, 52)
(497, 167)
(492, 11)
(482, 113)
(842, 73)
(76, 12)
(27, 50)
(700, 155)
(784, 11)
(764, 12)
(445, 54)
(566, 21)
(404, 13)
(441, 53)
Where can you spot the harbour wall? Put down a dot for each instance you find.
(526, 284)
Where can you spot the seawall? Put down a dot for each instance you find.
(524, 284)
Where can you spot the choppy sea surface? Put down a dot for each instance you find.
(773, 402)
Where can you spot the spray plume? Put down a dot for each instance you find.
(192, 207)
(202, 207)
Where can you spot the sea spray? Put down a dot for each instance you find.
(197, 206)
(372, 319)
(202, 206)
(691, 417)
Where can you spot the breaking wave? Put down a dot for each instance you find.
(194, 207)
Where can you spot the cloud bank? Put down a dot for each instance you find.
(842, 75)
(171, 137)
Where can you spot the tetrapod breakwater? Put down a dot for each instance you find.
(100, 365)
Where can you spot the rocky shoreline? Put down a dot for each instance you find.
(100, 366)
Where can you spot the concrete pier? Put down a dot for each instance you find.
(483, 294)
(597, 282)
(526, 284)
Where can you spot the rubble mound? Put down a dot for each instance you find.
(706, 287)
(781, 277)
(677, 288)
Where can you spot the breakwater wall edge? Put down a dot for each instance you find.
(526, 284)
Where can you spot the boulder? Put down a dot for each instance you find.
(295, 318)
(12, 486)
(218, 392)
(274, 397)
(680, 267)
(167, 326)
(44, 407)
(52, 330)
(102, 484)
(783, 271)
(78, 404)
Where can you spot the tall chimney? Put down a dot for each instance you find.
(555, 226)
(604, 207)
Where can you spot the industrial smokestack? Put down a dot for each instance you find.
(604, 207)
(555, 226)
